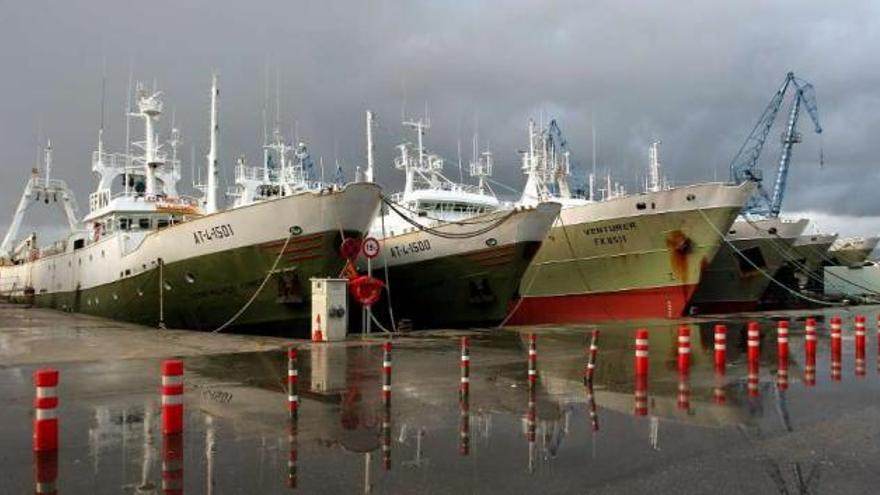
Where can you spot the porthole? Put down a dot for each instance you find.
(190, 278)
(97, 301)
(690, 197)
(491, 242)
(166, 285)
(140, 292)
(102, 254)
(90, 258)
(115, 297)
(80, 262)
(296, 230)
(641, 206)
(772, 231)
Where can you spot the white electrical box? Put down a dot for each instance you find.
(329, 309)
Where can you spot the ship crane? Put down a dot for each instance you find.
(744, 166)
(44, 189)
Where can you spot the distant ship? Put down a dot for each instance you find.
(810, 253)
(148, 255)
(853, 251)
(454, 253)
(754, 251)
(626, 255)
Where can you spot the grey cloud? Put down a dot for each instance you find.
(694, 74)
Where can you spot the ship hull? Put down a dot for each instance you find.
(448, 283)
(732, 284)
(203, 283)
(600, 263)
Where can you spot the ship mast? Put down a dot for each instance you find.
(654, 184)
(368, 176)
(213, 172)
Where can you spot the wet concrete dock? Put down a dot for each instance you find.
(237, 438)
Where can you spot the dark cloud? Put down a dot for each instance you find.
(694, 74)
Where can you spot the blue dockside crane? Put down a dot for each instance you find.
(744, 166)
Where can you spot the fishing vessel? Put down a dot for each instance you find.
(454, 253)
(146, 254)
(622, 256)
(753, 252)
(853, 250)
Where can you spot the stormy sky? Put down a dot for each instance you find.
(694, 74)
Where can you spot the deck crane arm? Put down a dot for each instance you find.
(744, 166)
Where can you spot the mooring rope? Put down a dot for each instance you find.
(259, 288)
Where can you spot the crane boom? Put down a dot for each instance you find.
(744, 166)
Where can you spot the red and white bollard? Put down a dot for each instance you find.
(810, 352)
(533, 360)
(465, 379)
(531, 427)
(45, 425)
(753, 342)
(386, 373)
(641, 352)
(172, 464)
(292, 382)
(591, 359)
(860, 345)
(782, 355)
(641, 372)
(172, 396)
(684, 349)
(720, 348)
(836, 349)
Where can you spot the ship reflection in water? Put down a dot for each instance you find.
(498, 434)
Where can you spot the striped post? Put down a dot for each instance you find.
(46, 472)
(172, 464)
(860, 345)
(836, 348)
(754, 359)
(782, 355)
(641, 352)
(465, 380)
(810, 352)
(591, 358)
(720, 348)
(753, 340)
(45, 424)
(172, 396)
(292, 382)
(684, 392)
(533, 360)
(684, 349)
(386, 373)
(641, 371)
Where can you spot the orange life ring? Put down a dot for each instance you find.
(366, 290)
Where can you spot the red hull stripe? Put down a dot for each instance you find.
(658, 302)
